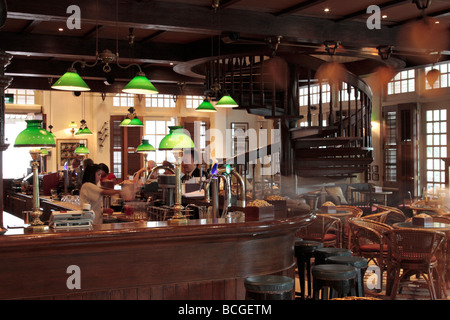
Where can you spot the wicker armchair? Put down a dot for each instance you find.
(416, 252)
(324, 228)
(367, 238)
(378, 216)
(393, 216)
(346, 235)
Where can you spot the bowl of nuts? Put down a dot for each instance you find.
(279, 203)
(259, 210)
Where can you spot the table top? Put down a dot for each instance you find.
(337, 213)
(435, 226)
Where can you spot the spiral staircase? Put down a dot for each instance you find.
(328, 139)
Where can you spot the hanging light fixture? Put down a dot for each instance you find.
(50, 127)
(227, 102)
(131, 119)
(82, 149)
(71, 81)
(177, 141)
(35, 136)
(84, 130)
(145, 148)
(206, 106)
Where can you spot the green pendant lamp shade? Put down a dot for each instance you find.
(140, 85)
(135, 122)
(81, 149)
(125, 122)
(131, 120)
(83, 131)
(227, 102)
(34, 136)
(206, 106)
(176, 140)
(71, 81)
(145, 147)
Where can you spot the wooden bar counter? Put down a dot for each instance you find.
(207, 259)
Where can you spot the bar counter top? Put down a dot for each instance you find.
(205, 259)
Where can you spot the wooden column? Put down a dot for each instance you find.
(4, 83)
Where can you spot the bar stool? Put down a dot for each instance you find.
(269, 287)
(340, 278)
(304, 252)
(359, 263)
(320, 255)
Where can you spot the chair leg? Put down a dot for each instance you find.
(395, 283)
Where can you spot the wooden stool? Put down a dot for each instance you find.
(359, 263)
(304, 251)
(340, 278)
(321, 255)
(270, 287)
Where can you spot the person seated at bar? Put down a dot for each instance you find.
(108, 179)
(141, 172)
(91, 193)
(168, 165)
(188, 166)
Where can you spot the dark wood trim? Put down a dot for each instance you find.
(149, 260)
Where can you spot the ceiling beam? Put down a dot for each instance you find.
(385, 5)
(76, 48)
(299, 7)
(170, 16)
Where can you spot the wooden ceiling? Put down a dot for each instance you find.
(167, 33)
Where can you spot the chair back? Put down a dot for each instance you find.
(413, 245)
(394, 215)
(367, 231)
(322, 225)
(378, 216)
(356, 212)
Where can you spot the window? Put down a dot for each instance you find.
(160, 101)
(155, 130)
(192, 102)
(345, 95)
(390, 146)
(403, 82)
(15, 160)
(22, 96)
(315, 94)
(123, 100)
(436, 148)
(443, 81)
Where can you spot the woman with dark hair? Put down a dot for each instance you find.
(91, 193)
(108, 179)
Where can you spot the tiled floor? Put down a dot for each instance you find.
(416, 290)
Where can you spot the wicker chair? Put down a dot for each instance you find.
(395, 215)
(416, 252)
(368, 241)
(324, 228)
(378, 216)
(346, 235)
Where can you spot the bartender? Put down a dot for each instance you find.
(141, 172)
(91, 193)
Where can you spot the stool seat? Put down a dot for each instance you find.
(357, 262)
(340, 278)
(322, 254)
(333, 272)
(269, 283)
(360, 265)
(306, 246)
(269, 287)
